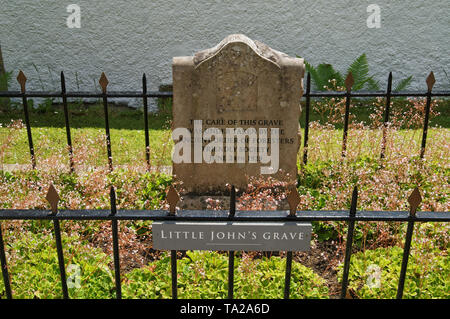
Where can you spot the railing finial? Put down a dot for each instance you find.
(293, 200)
(414, 200)
(53, 198)
(172, 199)
(430, 81)
(103, 82)
(349, 81)
(22, 79)
(354, 201)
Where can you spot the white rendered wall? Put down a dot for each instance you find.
(127, 38)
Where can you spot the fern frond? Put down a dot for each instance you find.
(327, 73)
(314, 75)
(360, 72)
(403, 84)
(372, 85)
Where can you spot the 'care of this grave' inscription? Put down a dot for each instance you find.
(236, 115)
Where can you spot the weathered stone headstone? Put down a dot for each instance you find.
(240, 83)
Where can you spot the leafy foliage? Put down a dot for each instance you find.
(325, 183)
(403, 84)
(204, 274)
(360, 72)
(322, 76)
(421, 282)
(5, 78)
(34, 270)
(325, 77)
(154, 191)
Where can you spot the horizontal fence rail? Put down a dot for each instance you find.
(222, 215)
(158, 94)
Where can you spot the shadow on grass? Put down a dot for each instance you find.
(122, 117)
(363, 108)
(91, 116)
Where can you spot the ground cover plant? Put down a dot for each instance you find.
(324, 183)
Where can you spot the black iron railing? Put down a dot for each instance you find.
(114, 215)
(351, 217)
(144, 94)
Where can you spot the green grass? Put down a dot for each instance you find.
(128, 141)
(88, 127)
(128, 145)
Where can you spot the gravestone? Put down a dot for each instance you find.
(240, 83)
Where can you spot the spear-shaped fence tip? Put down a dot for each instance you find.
(414, 200)
(349, 81)
(103, 82)
(430, 81)
(22, 79)
(172, 199)
(53, 198)
(293, 200)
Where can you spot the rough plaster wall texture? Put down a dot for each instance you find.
(126, 38)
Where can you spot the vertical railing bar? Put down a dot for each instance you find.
(430, 83)
(21, 78)
(108, 137)
(172, 200)
(293, 199)
(173, 266)
(425, 127)
(66, 119)
(231, 253)
(104, 83)
(348, 84)
(147, 138)
(59, 250)
(344, 137)
(30, 137)
(53, 198)
(4, 266)
(414, 201)
(406, 250)
(287, 277)
(115, 236)
(349, 243)
(307, 106)
(386, 115)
